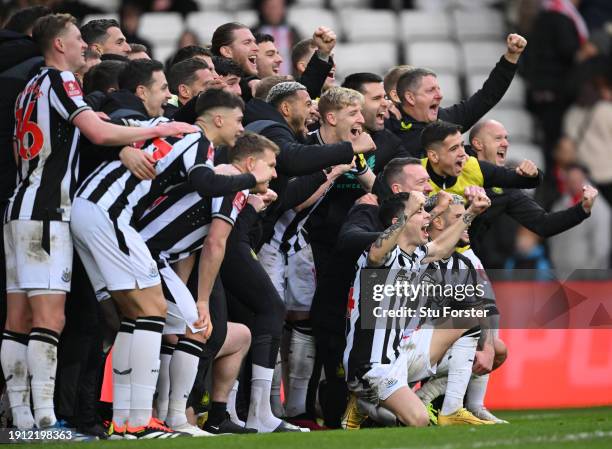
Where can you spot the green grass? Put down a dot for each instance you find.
(578, 428)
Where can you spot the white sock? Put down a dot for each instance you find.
(432, 389)
(260, 413)
(42, 365)
(121, 372)
(144, 362)
(477, 389)
(163, 381)
(460, 365)
(13, 357)
(231, 405)
(183, 371)
(275, 390)
(301, 364)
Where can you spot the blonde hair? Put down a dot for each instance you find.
(337, 98)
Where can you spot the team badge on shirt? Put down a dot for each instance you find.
(72, 88)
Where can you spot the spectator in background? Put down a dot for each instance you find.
(589, 124)
(273, 21)
(269, 60)
(529, 254)
(596, 13)
(188, 38)
(129, 17)
(105, 37)
(558, 40)
(564, 154)
(138, 51)
(586, 246)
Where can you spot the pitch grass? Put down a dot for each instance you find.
(575, 428)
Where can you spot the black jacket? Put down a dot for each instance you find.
(295, 158)
(325, 222)
(465, 113)
(20, 59)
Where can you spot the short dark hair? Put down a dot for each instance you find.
(49, 27)
(139, 72)
(189, 52)
(411, 81)
(184, 72)
(263, 37)
(250, 144)
(224, 35)
(356, 81)
(217, 98)
(137, 48)
(24, 19)
(227, 66)
(435, 133)
(392, 207)
(394, 170)
(300, 50)
(103, 77)
(95, 31)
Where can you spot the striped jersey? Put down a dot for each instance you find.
(46, 145)
(371, 339)
(116, 190)
(176, 224)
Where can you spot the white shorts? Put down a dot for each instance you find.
(28, 265)
(386, 379)
(294, 277)
(417, 349)
(97, 242)
(182, 310)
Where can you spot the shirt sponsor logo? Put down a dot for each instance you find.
(72, 88)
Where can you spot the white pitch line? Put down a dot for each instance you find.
(582, 436)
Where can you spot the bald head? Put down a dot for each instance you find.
(489, 139)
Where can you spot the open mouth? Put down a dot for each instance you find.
(501, 154)
(434, 108)
(424, 230)
(356, 130)
(253, 60)
(459, 165)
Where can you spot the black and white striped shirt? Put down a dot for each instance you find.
(176, 224)
(378, 341)
(178, 160)
(46, 143)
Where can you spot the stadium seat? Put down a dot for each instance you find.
(366, 25)
(451, 89)
(161, 52)
(520, 151)
(309, 3)
(210, 5)
(376, 57)
(205, 23)
(518, 123)
(443, 57)
(514, 97)
(342, 6)
(306, 20)
(248, 17)
(106, 5)
(91, 17)
(424, 25)
(478, 24)
(161, 27)
(481, 57)
(236, 5)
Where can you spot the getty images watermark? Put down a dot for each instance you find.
(517, 299)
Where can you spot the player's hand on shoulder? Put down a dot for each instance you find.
(168, 129)
(140, 163)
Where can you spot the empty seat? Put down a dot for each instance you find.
(342, 5)
(514, 97)
(210, 5)
(205, 23)
(517, 122)
(161, 27)
(309, 3)
(438, 56)
(478, 23)
(424, 25)
(366, 25)
(162, 52)
(519, 151)
(451, 89)
(307, 20)
(376, 57)
(248, 17)
(106, 5)
(481, 57)
(236, 5)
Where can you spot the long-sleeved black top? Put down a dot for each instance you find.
(465, 113)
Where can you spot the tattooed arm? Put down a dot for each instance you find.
(385, 243)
